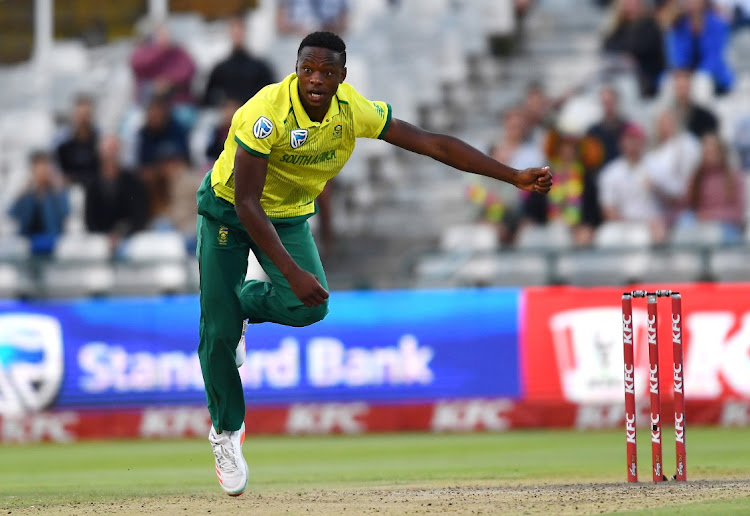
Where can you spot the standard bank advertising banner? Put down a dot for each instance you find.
(378, 347)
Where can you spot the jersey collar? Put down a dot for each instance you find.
(299, 110)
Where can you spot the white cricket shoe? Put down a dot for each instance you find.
(231, 467)
(241, 351)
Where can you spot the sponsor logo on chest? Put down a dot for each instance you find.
(297, 138)
(311, 159)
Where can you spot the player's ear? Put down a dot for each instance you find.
(343, 75)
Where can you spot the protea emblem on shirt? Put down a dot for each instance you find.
(262, 128)
(297, 138)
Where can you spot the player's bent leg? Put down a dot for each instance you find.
(263, 301)
(274, 301)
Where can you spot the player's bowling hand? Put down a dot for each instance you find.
(307, 288)
(537, 180)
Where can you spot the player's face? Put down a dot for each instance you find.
(320, 72)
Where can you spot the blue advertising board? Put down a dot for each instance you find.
(373, 346)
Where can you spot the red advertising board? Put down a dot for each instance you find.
(493, 415)
(572, 350)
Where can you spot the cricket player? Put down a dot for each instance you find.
(284, 144)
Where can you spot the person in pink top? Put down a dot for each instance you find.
(717, 192)
(161, 67)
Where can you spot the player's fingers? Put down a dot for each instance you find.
(541, 172)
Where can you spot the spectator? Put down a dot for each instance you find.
(220, 132)
(671, 165)
(116, 201)
(41, 210)
(517, 151)
(77, 154)
(565, 200)
(160, 128)
(716, 192)
(241, 75)
(696, 119)
(636, 34)
(537, 110)
(514, 148)
(625, 191)
(163, 68)
(606, 135)
(737, 12)
(742, 143)
(304, 16)
(697, 41)
(174, 207)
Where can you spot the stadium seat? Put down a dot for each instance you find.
(154, 262)
(38, 129)
(469, 238)
(612, 235)
(15, 279)
(601, 267)
(14, 248)
(80, 266)
(674, 266)
(703, 234)
(729, 264)
(515, 269)
(544, 237)
(438, 271)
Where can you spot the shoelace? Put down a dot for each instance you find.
(225, 459)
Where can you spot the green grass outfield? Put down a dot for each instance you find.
(49, 475)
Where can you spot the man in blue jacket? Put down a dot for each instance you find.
(697, 41)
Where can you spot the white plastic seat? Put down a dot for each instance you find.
(15, 279)
(469, 238)
(15, 248)
(598, 267)
(674, 266)
(147, 246)
(548, 237)
(438, 271)
(622, 235)
(154, 262)
(703, 234)
(505, 269)
(80, 267)
(83, 247)
(730, 264)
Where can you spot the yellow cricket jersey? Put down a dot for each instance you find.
(302, 155)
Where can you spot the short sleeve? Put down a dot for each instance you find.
(256, 129)
(371, 118)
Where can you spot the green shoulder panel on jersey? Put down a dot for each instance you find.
(248, 149)
(387, 122)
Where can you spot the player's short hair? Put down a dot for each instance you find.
(327, 40)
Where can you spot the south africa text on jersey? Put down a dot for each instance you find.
(301, 159)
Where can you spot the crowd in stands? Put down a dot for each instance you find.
(143, 177)
(671, 172)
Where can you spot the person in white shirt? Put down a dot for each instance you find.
(671, 165)
(626, 192)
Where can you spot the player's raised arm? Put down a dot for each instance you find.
(462, 156)
(249, 180)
